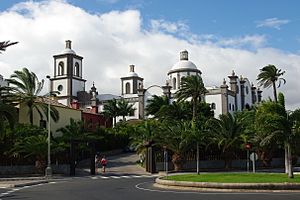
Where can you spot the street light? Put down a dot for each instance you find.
(48, 171)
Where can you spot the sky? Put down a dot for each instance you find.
(220, 35)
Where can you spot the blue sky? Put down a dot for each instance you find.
(221, 18)
(220, 35)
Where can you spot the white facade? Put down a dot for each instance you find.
(3, 82)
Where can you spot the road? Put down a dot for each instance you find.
(125, 187)
(124, 180)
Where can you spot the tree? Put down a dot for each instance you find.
(268, 77)
(226, 132)
(111, 110)
(5, 44)
(176, 137)
(155, 104)
(191, 87)
(7, 113)
(271, 127)
(24, 88)
(124, 108)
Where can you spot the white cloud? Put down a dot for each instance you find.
(272, 23)
(110, 42)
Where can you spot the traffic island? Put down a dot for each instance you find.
(162, 182)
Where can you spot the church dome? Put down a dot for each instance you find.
(68, 49)
(131, 72)
(184, 64)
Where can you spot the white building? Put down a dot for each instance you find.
(68, 80)
(3, 82)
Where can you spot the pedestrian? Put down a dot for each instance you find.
(103, 163)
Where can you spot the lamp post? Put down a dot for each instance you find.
(48, 171)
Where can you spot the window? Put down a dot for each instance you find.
(233, 107)
(127, 88)
(174, 83)
(60, 68)
(213, 106)
(132, 113)
(60, 88)
(230, 106)
(247, 90)
(76, 69)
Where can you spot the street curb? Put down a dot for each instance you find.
(227, 186)
(21, 183)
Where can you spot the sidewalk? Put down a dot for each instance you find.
(22, 181)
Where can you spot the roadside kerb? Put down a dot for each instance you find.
(239, 186)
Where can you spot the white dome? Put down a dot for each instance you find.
(132, 74)
(184, 64)
(68, 51)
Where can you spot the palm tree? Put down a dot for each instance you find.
(25, 88)
(5, 44)
(111, 110)
(271, 127)
(125, 108)
(7, 113)
(191, 87)
(268, 77)
(177, 139)
(155, 104)
(226, 133)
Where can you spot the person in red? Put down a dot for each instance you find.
(103, 163)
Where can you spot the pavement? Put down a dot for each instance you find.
(125, 163)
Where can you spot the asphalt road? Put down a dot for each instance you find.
(125, 187)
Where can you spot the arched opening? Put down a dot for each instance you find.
(127, 88)
(61, 69)
(76, 69)
(174, 83)
(213, 106)
(247, 106)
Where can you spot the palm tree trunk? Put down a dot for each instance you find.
(198, 171)
(274, 91)
(286, 160)
(291, 175)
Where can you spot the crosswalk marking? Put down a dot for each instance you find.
(122, 176)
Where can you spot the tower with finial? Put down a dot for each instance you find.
(131, 83)
(67, 79)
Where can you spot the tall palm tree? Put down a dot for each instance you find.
(125, 108)
(226, 133)
(155, 104)
(191, 87)
(177, 139)
(268, 77)
(5, 44)
(111, 110)
(25, 88)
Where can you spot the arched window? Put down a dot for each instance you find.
(230, 106)
(174, 83)
(61, 68)
(233, 107)
(76, 69)
(213, 106)
(127, 88)
(247, 106)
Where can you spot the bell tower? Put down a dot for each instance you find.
(67, 78)
(131, 83)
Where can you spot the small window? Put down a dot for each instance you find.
(233, 107)
(213, 106)
(127, 88)
(132, 113)
(237, 89)
(76, 69)
(230, 106)
(61, 68)
(188, 73)
(247, 90)
(174, 83)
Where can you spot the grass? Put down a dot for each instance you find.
(236, 178)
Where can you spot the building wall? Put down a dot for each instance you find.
(231, 104)
(3, 82)
(92, 121)
(217, 99)
(65, 114)
(64, 83)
